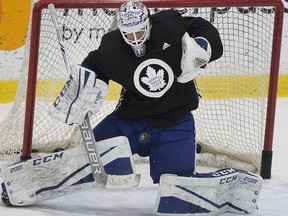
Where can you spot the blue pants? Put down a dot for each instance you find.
(170, 150)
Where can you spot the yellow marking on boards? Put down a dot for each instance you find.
(211, 87)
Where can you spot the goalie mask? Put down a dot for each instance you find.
(134, 25)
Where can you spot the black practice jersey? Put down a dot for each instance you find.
(150, 89)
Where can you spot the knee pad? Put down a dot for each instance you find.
(118, 163)
(116, 156)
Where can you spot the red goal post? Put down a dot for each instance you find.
(251, 32)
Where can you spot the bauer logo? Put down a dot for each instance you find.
(48, 158)
(16, 168)
(88, 137)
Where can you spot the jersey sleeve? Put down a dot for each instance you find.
(93, 62)
(199, 27)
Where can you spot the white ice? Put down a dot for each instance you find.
(140, 201)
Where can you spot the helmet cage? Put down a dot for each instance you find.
(134, 20)
(143, 29)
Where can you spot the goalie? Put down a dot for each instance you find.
(156, 58)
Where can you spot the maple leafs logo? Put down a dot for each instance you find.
(154, 80)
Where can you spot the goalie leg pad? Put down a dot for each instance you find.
(226, 190)
(64, 173)
(48, 177)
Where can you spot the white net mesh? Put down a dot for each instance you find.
(232, 114)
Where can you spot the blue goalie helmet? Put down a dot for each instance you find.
(133, 23)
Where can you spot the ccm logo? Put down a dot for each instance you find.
(223, 172)
(228, 179)
(48, 158)
(62, 93)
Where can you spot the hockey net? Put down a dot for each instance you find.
(236, 113)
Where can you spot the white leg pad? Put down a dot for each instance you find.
(226, 190)
(66, 172)
(43, 178)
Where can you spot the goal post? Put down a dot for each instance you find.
(237, 110)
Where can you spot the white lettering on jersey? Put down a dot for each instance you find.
(153, 78)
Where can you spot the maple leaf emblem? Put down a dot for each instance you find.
(154, 80)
